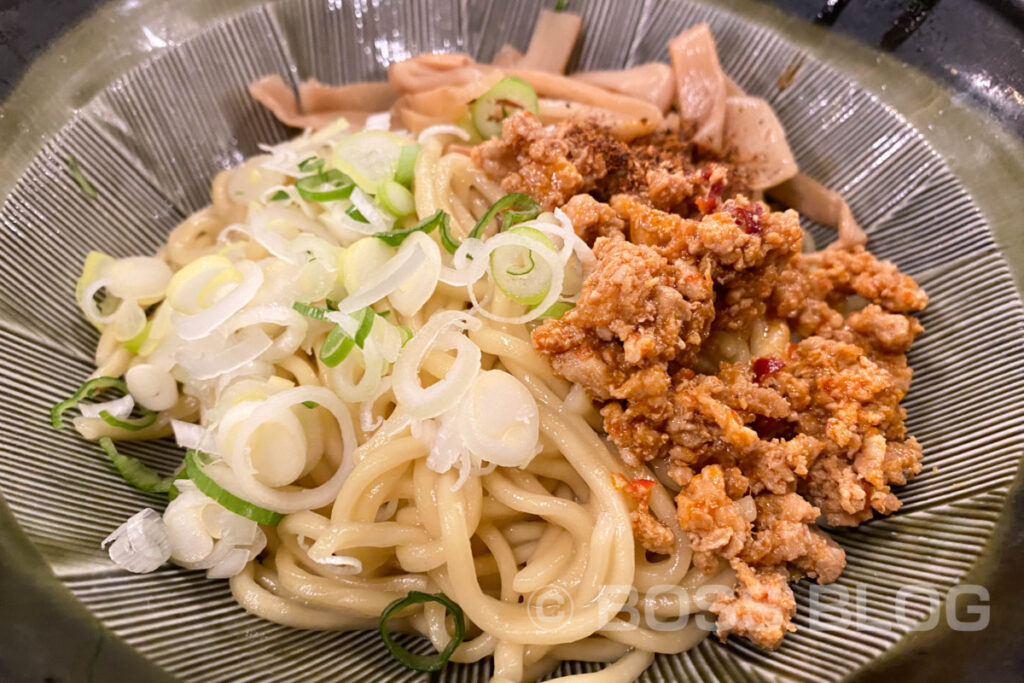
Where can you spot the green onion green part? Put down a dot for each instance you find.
(314, 312)
(194, 463)
(146, 420)
(134, 471)
(279, 195)
(365, 325)
(310, 404)
(423, 663)
(506, 98)
(336, 347)
(325, 186)
(87, 390)
(561, 5)
(450, 244)
(511, 209)
(406, 334)
(407, 164)
(83, 183)
(355, 214)
(173, 491)
(395, 237)
(311, 164)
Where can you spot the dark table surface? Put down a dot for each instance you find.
(976, 47)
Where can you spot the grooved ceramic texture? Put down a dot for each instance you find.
(155, 137)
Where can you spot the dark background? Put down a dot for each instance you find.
(976, 47)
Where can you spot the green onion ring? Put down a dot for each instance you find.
(424, 663)
(514, 208)
(223, 497)
(146, 420)
(87, 390)
(311, 188)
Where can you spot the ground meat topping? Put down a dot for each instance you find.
(592, 219)
(551, 164)
(652, 534)
(766, 382)
(762, 608)
(636, 313)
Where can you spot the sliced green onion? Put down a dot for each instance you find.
(384, 314)
(527, 267)
(410, 660)
(173, 491)
(450, 244)
(557, 310)
(406, 334)
(194, 463)
(338, 344)
(507, 97)
(407, 164)
(331, 305)
(516, 273)
(84, 185)
(561, 5)
(396, 199)
(311, 404)
(87, 390)
(146, 420)
(336, 347)
(369, 157)
(314, 312)
(279, 195)
(311, 164)
(428, 224)
(355, 214)
(325, 187)
(134, 472)
(511, 209)
(365, 325)
(135, 343)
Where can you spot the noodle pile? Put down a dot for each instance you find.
(366, 416)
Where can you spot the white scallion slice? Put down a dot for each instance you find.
(520, 275)
(396, 199)
(140, 545)
(369, 157)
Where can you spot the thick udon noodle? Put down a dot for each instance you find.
(502, 544)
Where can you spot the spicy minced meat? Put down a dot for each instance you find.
(762, 434)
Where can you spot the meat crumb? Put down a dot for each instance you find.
(766, 382)
(761, 609)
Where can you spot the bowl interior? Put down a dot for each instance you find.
(152, 140)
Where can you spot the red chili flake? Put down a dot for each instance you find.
(706, 205)
(764, 367)
(716, 189)
(750, 222)
(638, 490)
